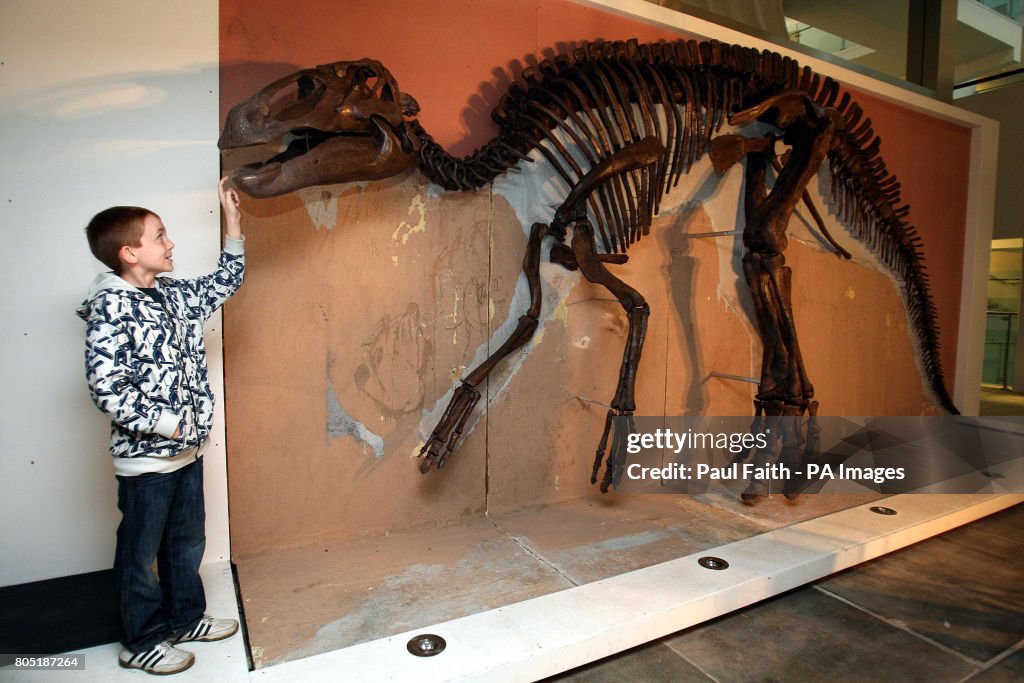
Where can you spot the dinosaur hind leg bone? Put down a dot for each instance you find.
(638, 311)
(783, 376)
(809, 130)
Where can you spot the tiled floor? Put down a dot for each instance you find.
(998, 402)
(948, 609)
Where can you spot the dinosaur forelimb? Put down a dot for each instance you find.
(563, 256)
(448, 431)
(602, 445)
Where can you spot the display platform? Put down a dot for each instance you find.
(305, 601)
(542, 636)
(574, 582)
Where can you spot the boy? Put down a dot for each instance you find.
(145, 364)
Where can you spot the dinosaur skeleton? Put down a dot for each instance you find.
(620, 123)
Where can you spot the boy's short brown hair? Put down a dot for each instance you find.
(113, 228)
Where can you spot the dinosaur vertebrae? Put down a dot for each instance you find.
(580, 108)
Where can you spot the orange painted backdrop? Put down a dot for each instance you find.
(298, 337)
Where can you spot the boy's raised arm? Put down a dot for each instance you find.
(229, 204)
(214, 289)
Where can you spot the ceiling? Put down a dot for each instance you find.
(873, 33)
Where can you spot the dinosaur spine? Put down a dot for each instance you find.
(604, 96)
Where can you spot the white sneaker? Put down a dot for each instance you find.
(209, 629)
(161, 659)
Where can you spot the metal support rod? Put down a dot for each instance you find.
(584, 399)
(739, 378)
(1006, 351)
(724, 233)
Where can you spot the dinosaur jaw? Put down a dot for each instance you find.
(315, 157)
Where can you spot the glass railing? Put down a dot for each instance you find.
(812, 36)
(1000, 342)
(1008, 8)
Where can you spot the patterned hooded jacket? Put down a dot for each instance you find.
(145, 361)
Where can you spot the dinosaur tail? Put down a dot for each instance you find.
(868, 202)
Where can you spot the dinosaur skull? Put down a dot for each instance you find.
(336, 123)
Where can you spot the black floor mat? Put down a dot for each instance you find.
(68, 614)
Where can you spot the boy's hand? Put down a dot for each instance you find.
(229, 203)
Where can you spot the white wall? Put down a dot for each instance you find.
(101, 103)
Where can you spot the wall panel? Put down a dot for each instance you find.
(339, 272)
(101, 103)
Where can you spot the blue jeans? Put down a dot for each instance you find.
(163, 519)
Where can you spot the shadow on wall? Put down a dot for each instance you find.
(109, 124)
(239, 80)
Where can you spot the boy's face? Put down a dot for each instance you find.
(153, 255)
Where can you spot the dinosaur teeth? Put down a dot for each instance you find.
(299, 142)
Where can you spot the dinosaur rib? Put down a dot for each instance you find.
(605, 95)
